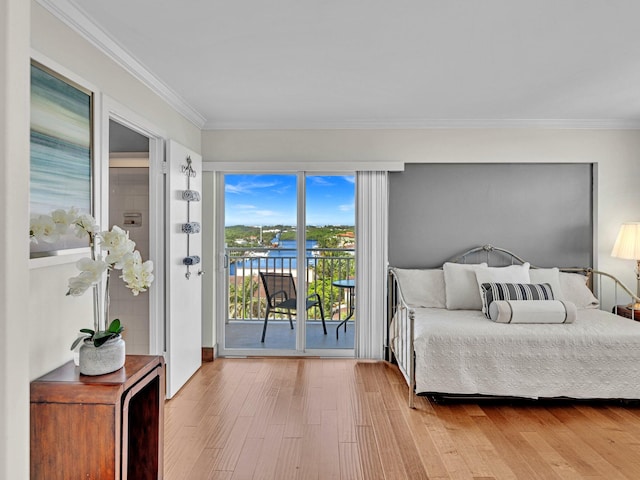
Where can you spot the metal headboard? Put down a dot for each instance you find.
(487, 249)
(511, 257)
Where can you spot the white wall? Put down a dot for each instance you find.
(38, 321)
(14, 214)
(617, 153)
(50, 310)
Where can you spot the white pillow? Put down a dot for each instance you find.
(550, 276)
(422, 287)
(575, 290)
(461, 286)
(532, 311)
(510, 274)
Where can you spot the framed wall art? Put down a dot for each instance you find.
(61, 153)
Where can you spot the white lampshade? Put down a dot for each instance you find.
(628, 242)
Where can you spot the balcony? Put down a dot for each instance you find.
(247, 301)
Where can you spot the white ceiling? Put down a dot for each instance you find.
(379, 63)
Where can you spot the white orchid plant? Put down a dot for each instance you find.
(119, 254)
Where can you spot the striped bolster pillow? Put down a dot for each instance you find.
(532, 311)
(514, 291)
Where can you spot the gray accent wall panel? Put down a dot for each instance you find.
(542, 212)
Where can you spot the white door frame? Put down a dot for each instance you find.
(113, 110)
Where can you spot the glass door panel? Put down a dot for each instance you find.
(261, 262)
(330, 260)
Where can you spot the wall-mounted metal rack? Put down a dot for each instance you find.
(190, 228)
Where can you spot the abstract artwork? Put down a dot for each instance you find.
(61, 152)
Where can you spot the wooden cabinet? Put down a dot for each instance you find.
(103, 427)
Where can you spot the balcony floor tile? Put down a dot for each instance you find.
(246, 335)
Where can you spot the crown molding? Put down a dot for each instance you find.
(68, 13)
(71, 15)
(298, 166)
(409, 124)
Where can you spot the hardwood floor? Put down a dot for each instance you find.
(346, 419)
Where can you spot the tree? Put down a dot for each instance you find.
(243, 301)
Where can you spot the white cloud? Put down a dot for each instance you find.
(320, 181)
(248, 188)
(266, 213)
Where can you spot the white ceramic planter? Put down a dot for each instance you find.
(105, 359)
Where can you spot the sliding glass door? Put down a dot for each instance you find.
(288, 290)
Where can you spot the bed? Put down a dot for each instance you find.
(447, 345)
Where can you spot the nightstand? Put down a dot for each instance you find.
(107, 427)
(624, 311)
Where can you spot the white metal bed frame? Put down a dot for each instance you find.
(402, 351)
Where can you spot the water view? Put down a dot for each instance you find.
(281, 257)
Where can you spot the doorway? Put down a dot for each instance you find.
(129, 209)
(289, 264)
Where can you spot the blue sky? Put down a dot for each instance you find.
(271, 200)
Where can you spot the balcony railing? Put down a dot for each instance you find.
(323, 266)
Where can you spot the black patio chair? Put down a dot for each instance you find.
(282, 298)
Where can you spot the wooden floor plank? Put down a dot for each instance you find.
(313, 406)
(448, 449)
(358, 401)
(550, 455)
(411, 460)
(182, 452)
(294, 423)
(230, 452)
(268, 455)
(220, 434)
(368, 453)
(586, 460)
(329, 447)
(281, 408)
(388, 449)
(253, 399)
(310, 447)
(464, 431)
(204, 465)
(248, 459)
(619, 456)
(349, 462)
(514, 445)
(533, 421)
(261, 420)
(288, 464)
(423, 442)
(345, 410)
(294, 418)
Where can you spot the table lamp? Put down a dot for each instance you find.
(628, 246)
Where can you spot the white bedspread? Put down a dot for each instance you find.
(463, 352)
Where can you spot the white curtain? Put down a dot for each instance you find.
(371, 262)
